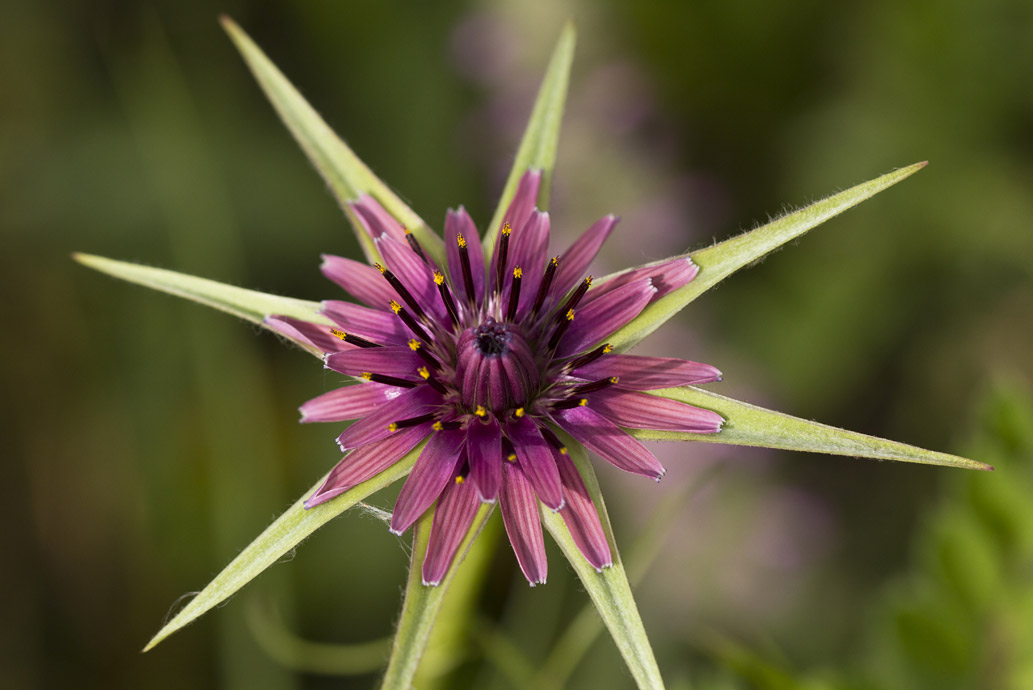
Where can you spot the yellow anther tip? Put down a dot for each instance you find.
(588, 281)
(392, 427)
(519, 412)
(380, 267)
(563, 450)
(570, 315)
(424, 372)
(439, 278)
(518, 272)
(607, 349)
(437, 426)
(395, 307)
(511, 457)
(615, 379)
(480, 411)
(460, 240)
(506, 229)
(367, 375)
(414, 344)
(459, 479)
(582, 402)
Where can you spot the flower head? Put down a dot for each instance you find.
(490, 361)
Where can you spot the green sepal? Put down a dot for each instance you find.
(609, 589)
(346, 175)
(289, 530)
(749, 425)
(721, 260)
(541, 138)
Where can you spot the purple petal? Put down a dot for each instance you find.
(452, 519)
(362, 282)
(484, 452)
(391, 360)
(432, 471)
(307, 333)
(647, 373)
(413, 273)
(523, 524)
(600, 318)
(349, 402)
(535, 457)
(581, 517)
(530, 251)
(667, 276)
(459, 222)
(366, 462)
(375, 219)
(377, 325)
(609, 441)
(524, 199)
(574, 262)
(374, 426)
(645, 411)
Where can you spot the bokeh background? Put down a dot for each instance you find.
(146, 441)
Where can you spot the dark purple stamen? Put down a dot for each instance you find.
(414, 244)
(464, 261)
(412, 421)
(543, 289)
(589, 357)
(353, 339)
(446, 297)
(561, 328)
(500, 268)
(417, 347)
(594, 386)
(569, 403)
(409, 321)
(389, 380)
(402, 291)
(514, 293)
(575, 297)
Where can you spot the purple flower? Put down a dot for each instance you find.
(491, 362)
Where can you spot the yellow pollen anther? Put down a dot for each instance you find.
(563, 450)
(380, 267)
(607, 349)
(439, 278)
(588, 281)
(615, 379)
(555, 261)
(480, 411)
(414, 344)
(392, 427)
(570, 315)
(406, 230)
(518, 412)
(511, 457)
(582, 402)
(340, 334)
(395, 307)
(367, 375)
(424, 372)
(518, 272)
(506, 229)
(460, 240)
(437, 426)
(459, 479)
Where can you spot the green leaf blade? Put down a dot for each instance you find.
(346, 175)
(721, 260)
(609, 590)
(749, 425)
(249, 305)
(541, 137)
(285, 533)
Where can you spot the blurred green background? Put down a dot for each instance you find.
(148, 440)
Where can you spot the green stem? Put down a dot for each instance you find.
(422, 604)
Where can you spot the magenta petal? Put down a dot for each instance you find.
(602, 317)
(647, 373)
(366, 462)
(484, 452)
(581, 517)
(523, 524)
(432, 471)
(574, 262)
(524, 199)
(667, 276)
(376, 325)
(645, 411)
(535, 457)
(530, 253)
(452, 519)
(307, 333)
(349, 402)
(391, 360)
(375, 425)
(609, 441)
(457, 222)
(375, 219)
(362, 282)
(413, 273)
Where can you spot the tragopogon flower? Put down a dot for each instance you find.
(489, 361)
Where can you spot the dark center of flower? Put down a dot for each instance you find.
(492, 337)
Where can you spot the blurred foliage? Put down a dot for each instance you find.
(148, 440)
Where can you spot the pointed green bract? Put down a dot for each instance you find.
(721, 260)
(541, 138)
(289, 530)
(749, 425)
(422, 603)
(250, 305)
(344, 173)
(609, 590)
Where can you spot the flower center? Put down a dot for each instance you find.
(495, 367)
